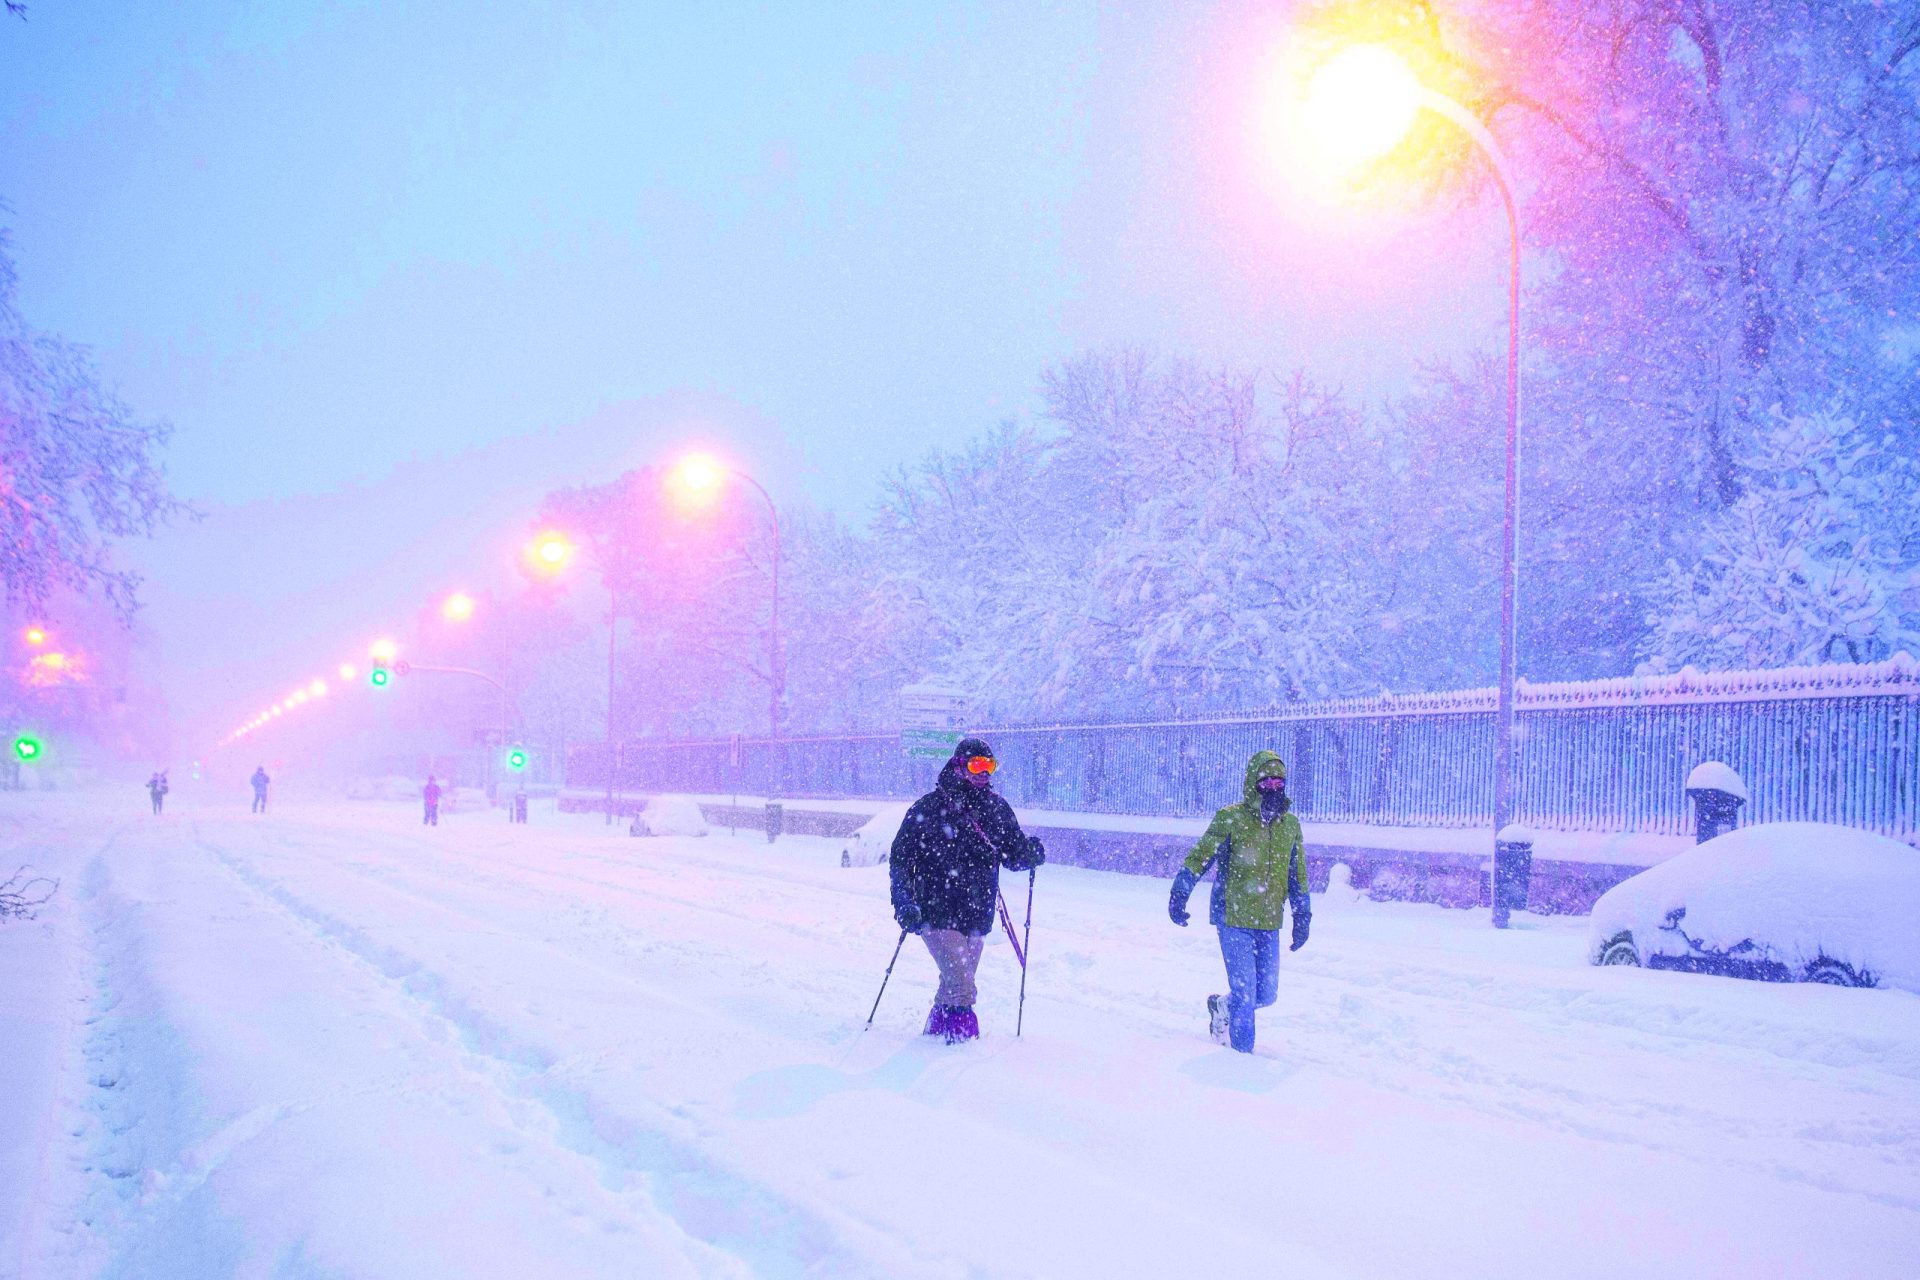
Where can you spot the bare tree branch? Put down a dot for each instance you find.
(21, 895)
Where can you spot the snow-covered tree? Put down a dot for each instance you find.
(1721, 207)
(77, 470)
(1805, 566)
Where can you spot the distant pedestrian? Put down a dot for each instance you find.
(260, 782)
(945, 869)
(157, 788)
(431, 794)
(1262, 867)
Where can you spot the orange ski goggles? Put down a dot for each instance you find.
(982, 764)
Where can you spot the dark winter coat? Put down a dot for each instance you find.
(432, 793)
(947, 857)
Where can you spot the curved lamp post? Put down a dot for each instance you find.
(1361, 104)
(698, 476)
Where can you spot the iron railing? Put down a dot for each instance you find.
(1825, 744)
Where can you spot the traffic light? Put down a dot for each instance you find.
(26, 748)
(517, 759)
(378, 677)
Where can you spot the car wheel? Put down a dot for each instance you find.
(1836, 973)
(1620, 950)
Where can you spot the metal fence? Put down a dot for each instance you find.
(1826, 744)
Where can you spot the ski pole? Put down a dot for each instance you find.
(1027, 931)
(883, 981)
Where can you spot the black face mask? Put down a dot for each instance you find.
(1274, 804)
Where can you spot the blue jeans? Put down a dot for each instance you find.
(1253, 978)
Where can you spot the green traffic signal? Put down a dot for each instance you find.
(378, 677)
(516, 759)
(26, 748)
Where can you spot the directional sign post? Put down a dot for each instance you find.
(933, 719)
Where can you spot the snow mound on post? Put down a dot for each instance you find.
(1714, 776)
(870, 845)
(1802, 890)
(671, 816)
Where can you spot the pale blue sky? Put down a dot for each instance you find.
(348, 247)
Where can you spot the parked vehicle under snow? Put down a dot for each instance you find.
(1780, 902)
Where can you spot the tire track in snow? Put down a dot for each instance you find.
(723, 1208)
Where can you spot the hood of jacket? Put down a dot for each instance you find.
(1264, 764)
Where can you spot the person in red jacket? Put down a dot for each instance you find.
(431, 794)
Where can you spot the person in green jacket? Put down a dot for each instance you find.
(1262, 867)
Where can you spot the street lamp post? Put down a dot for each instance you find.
(1370, 91)
(699, 474)
(613, 641)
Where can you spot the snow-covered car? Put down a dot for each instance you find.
(870, 845)
(670, 816)
(1780, 902)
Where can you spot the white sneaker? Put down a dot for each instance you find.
(1217, 1026)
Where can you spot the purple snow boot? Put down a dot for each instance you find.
(962, 1024)
(940, 1022)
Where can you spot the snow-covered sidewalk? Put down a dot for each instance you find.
(330, 1042)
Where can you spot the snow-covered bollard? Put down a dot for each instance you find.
(1717, 792)
(1512, 871)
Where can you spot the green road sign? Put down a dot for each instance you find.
(929, 744)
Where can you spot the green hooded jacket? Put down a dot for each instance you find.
(1264, 864)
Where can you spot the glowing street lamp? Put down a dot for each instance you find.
(348, 671)
(697, 478)
(550, 553)
(318, 689)
(35, 636)
(457, 607)
(1358, 106)
(383, 651)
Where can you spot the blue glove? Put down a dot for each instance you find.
(1177, 900)
(909, 917)
(1302, 921)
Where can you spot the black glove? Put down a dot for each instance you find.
(1035, 855)
(1301, 923)
(909, 916)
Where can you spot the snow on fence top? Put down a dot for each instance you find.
(1898, 676)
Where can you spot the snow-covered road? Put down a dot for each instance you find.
(332, 1043)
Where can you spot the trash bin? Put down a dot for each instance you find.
(776, 818)
(1512, 872)
(1717, 792)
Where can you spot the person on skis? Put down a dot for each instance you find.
(260, 782)
(945, 871)
(1261, 868)
(431, 794)
(157, 789)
